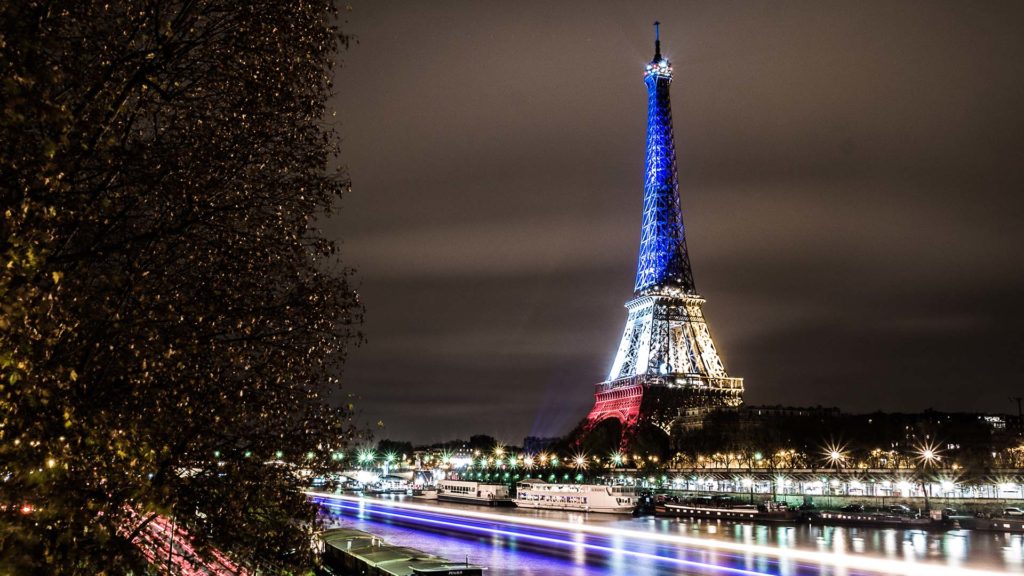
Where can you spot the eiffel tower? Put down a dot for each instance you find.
(667, 366)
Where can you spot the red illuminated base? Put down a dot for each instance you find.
(621, 403)
(640, 401)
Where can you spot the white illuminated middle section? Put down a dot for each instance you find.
(837, 559)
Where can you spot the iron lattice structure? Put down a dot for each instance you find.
(667, 363)
(663, 260)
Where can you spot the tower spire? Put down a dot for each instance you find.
(663, 261)
(657, 40)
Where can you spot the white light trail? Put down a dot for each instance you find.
(837, 559)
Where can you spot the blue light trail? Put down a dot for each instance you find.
(607, 541)
(537, 538)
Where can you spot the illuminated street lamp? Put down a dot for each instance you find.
(580, 461)
(927, 456)
(836, 455)
(748, 483)
(366, 457)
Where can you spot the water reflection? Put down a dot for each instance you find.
(1012, 550)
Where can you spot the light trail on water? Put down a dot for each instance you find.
(554, 533)
(549, 540)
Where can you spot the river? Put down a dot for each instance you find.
(530, 550)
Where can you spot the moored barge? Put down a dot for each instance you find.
(769, 512)
(350, 552)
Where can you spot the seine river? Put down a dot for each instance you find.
(543, 552)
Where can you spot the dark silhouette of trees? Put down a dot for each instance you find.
(170, 317)
(482, 442)
(602, 440)
(395, 448)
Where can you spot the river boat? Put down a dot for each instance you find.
(576, 497)
(1010, 525)
(469, 492)
(876, 520)
(425, 493)
(346, 551)
(768, 512)
(389, 485)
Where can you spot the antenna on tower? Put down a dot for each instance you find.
(657, 40)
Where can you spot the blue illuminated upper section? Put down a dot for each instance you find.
(663, 261)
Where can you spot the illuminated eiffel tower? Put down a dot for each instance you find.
(667, 366)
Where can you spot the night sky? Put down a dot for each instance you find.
(851, 177)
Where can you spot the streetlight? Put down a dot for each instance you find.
(580, 461)
(836, 455)
(366, 456)
(749, 484)
(927, 455)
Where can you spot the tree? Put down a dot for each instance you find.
(170, 316)
(482, 442)
(395, 448)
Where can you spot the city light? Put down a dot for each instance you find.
(927, 455)
(366, 456)
(580, 461)
(836, 455)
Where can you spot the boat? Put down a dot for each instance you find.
(469, 492)
(425, 493)
(1011, 525)
(346, 551)
(876, 520)
(389, 485)
(579, 497)
(769, 512)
